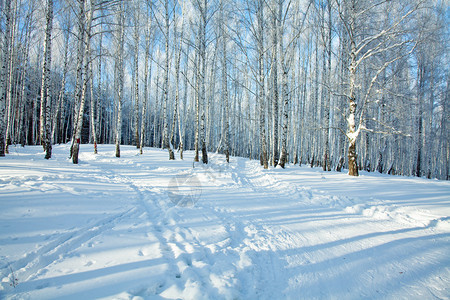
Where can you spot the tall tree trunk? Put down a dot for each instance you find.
(99, 109)
(24, 113)
(203, 16)
(36, 108)
(284, 137)
(136, 77)
(93, 105)
(46, 79)
(4, 74)
(197, 98)
(285, 63)
(225, 128)
(13, 61)
(156, 112)
(261, 92)
(444, 140)
(351, 132)
(327, 106)
(89, 7)
(79, 77)
(175, 116)
(120, 79)
(147, 65)
(182, 118)
(275, 155)
(166, 142)
(431, 134)
(420, 88)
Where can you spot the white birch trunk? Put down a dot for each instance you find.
(202, 100)
(98, 116)
(352, 133)
(420, 88)
(4, 74)
(120, 79)
(89, 7)
(147, 65)
(79, 77)
(285, 62)
(177, 52)
(261, 92)
(136, 77)
(275, 154)
(11, 85)
(166, 142)
(226, 120)
(48, 100)
(92, 107)
(326, 157)
(23, 97)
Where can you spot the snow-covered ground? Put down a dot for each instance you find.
(143, 227)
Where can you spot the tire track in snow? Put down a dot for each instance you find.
(179, 253)
(253, 242)
(280, 236)
(188, 261)
(34, 263)
(341, 254)
(277, 240)
(236, 266)
(152, 213)
(199, 268)
(146, 204)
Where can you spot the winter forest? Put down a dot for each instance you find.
(340, 84)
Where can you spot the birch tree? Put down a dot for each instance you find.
(4, 71)
(24, 112)
(328, 42)
(45, 87)
(147, 73)
(86, 7)
(11, 78)
(287, 54)
(285, 68)
(274, 74)
(258, 77)
(200, 80)
(226, 117)
(136, 73)
(93, 106)
(361, 48)
(176, 113)
(120, 75)
(81, 20)
(203, 9)
(261, 91)
(166, 143)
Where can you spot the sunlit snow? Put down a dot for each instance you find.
(144, 227)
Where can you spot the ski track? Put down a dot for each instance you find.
(194, 271)
(250, 236)
(35, 263)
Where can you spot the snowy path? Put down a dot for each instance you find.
(109, 228)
